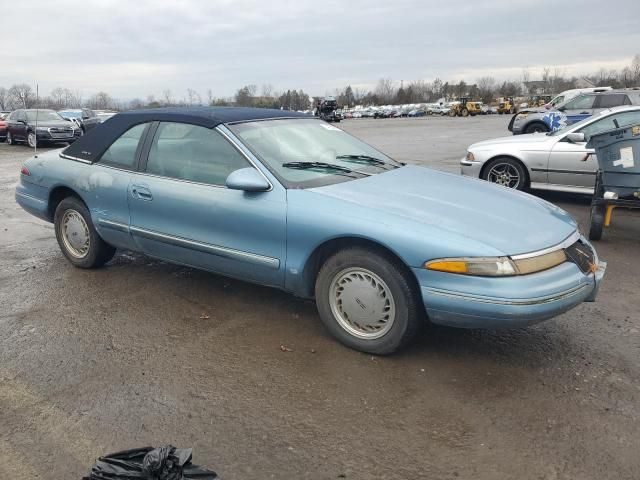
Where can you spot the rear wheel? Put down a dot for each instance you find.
(77, 237)
(597, 222)
(506, 172)
(464, 112)
(367, 301)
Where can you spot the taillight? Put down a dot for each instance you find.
(25, 171)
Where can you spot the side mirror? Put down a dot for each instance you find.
(22, 121)
(576, 137)
(247, 179)
(85, 117)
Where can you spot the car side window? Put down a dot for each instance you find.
(612, 100)
(624, 119)
(193, 153)
(124, 151)
(582, 101)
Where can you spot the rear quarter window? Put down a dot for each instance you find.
(612, 100)
(123, 153)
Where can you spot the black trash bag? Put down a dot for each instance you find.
(164, 463)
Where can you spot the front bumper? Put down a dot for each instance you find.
(508, 302)
(470, 168)
(44, 136)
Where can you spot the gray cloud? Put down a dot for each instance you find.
(134, 48)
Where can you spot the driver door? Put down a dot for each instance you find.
(566, 162)
(579, 108)
(182, 211)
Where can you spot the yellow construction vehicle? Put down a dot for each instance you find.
(538, 100)
(465, 107)
(506, 105)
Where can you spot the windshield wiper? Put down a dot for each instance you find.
(324, 166)
(378, 162)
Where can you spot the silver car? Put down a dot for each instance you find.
(553, 161)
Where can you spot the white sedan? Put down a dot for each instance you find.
(557, 160)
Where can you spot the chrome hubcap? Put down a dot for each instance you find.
(75, 234)
(362, 303)
(31, 138)
(504, 174)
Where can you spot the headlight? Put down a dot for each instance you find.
(42, 129)
(470, 157)
(480, 266)
(498, 266)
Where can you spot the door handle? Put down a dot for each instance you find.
(143, 193)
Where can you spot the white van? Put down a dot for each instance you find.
(569, 94)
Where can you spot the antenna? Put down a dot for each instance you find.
(35, 134)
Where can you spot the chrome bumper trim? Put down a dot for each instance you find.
(504, 301)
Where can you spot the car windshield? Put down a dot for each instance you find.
(310, 153)
(42, 115)
(71, 114)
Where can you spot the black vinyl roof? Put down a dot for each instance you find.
(91, 146)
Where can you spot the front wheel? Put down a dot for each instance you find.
(77, 237)
(506, 172)
(367, 301)
(536, 127)
(10, 140)
(32, 140)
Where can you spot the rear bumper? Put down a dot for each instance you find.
(532, 298)
(32, 204)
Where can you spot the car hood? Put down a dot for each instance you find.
(515, 139)
(52, 123)
(535, 110)
(509, 221)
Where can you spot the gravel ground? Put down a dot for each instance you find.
(146, 353)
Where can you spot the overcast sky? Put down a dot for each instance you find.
(132, 48)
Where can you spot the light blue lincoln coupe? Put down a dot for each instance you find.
(285, 200)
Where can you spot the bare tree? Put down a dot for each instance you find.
(486, 88)
(635, 70)
(167, 97)
(101, 101)
(56, 98)
(4, 98)
(21, 96)
(267, 90)
(385, 90)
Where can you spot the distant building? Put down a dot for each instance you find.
(536, 87)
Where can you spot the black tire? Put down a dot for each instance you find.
(409, 313)
(99, 251)
(536, 127)
(597, 222)
(10, 140)
(32, 140)
(523, 183)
